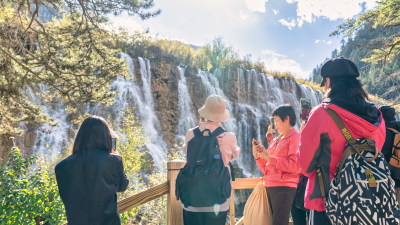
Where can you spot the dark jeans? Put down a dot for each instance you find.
(281, 199)
(204, 218)
(299, 216)
(319, 218)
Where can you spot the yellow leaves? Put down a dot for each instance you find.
(7, 13)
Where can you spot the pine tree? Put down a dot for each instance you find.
(58, 50)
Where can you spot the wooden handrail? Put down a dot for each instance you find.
(143, 197)
(245, 183)
(174, 208)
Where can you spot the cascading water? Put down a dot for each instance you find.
(130, 94)
(50, 141)
(259, 95)
(186, 117)
(211, 84)
(252, 98)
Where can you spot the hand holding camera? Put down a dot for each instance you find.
(259, 151)
(305, 104)
(272, 126)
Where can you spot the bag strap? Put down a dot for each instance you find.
(321, 182)
(349, 138)
(232, 174)
(217, 131)
(197, 132)
(392, 129)
(342, 127)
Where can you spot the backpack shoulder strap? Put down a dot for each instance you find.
(342, 127)
(217, 131)
(392, 129)
(197, 132)
(349, 138)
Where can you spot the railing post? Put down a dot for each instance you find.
(174, 207)
(232, 208)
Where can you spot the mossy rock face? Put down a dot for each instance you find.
(5, 147)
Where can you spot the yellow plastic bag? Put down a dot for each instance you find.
(257, 210)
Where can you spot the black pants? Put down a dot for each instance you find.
(281, 199)
(204, 218)
(299, 216)
(319, 218)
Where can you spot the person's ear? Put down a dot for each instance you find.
(328, 82)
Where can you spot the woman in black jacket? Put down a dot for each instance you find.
(89, 179)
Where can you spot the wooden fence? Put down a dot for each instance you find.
(174, 208)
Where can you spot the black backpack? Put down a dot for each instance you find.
(204, 181)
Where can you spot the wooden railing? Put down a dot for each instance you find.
(174, 208)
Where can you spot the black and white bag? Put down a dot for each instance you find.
(362, 190)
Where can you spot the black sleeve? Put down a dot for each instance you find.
(122, 180)
(59, 178)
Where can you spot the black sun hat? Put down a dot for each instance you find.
(338, 67)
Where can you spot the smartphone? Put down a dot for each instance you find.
(305, 104)
(272, 119)
(114, 143)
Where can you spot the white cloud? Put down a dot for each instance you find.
(323, 41)
(256, 5)
(243, 15)
(288, 24)
(129, 23)
(309, 10)
(275, 11)
(282, 63)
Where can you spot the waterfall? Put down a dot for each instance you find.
(247, 117)
(186, 117)
(50, 141)
(211, 84)
(250, 119)
(252, 98)
(130, 94)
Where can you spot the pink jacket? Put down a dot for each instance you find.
(282, 169)
(322, 140)
(227, 142)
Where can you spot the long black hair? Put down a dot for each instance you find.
(346, 86)
(94, 133)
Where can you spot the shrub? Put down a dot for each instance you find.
(28, 195)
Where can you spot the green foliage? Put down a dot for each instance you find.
(28, 195)
(209, 57)
(374, 44)
(58, 50)
(130, 146)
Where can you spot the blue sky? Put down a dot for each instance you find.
(287, 35)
